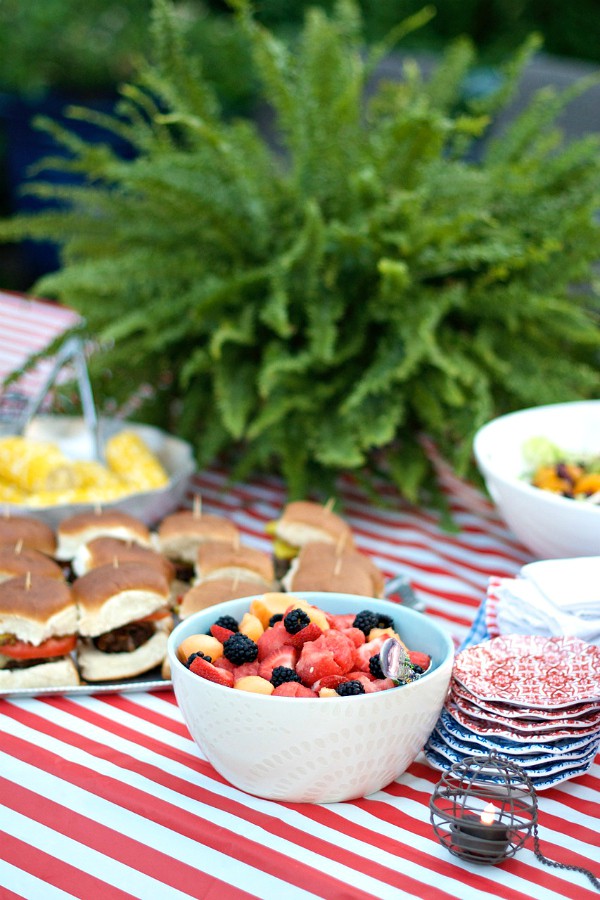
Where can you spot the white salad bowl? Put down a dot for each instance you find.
(314, 750)
(549, 525)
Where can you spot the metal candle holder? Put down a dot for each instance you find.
(483, 809)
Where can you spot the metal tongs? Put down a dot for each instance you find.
(72, 351)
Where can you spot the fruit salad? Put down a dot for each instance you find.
(553, 469)
(285, 647)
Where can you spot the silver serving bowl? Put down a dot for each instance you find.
(76, 441)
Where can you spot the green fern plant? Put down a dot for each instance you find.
(316, 300)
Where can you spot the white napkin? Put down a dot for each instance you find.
(551, 598)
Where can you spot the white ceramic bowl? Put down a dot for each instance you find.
(551, 526)
(314, 750)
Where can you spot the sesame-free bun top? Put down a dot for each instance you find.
(322, 567)
(82, 528)
(219, 559)
(113, 595)
(35, 608)
(217, 590)
(104, 550)
(303, 521)
(33, 532)
(180, 534)
(17, 559)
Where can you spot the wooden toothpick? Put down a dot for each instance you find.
(19, 546)
(330, 504)
(197, 506)
(28, 581)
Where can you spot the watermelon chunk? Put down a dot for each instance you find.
(293, 689)
(419, 659)
(309, 633)
(286, 655)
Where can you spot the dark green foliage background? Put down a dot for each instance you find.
(381, 276)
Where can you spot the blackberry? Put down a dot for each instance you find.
(384, 621)
(366, 620)
(228, 622)
(193, 656)
(296, 620)
(281, 674)
(239, 648)
(350, 688)
(276, 617)
(418, 669)
(375, 666)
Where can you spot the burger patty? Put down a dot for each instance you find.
(28, 663)
(125, 639)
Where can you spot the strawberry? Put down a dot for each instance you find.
(329, 681)
(206, 670)
(308, 633)
(285, 655)
(419, 659)
(271, 640)
(363, 654)
(221, 634)
(293, 689)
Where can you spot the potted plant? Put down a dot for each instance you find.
(317, 300)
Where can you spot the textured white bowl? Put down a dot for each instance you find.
(552, 527)
(314, 750)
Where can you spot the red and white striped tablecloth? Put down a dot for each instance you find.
(107, 796)
(28, 326)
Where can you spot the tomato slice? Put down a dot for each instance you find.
(54, 646)
(155, 616)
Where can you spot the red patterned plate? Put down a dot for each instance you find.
(531, 670)
(496, 730)
(526, 726)
(577, 710)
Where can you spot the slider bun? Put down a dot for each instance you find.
(59, 673)
(37, 608)
(218, 590)
(84, 527)
(16, 561)
(111, 596)
(95, 665)
(319, 567)
(104, 550)
(218, 559)
(33, 532)
(180, 534)
(303, 522)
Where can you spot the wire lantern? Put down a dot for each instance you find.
(483, 809)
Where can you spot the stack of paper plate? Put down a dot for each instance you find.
(533, 700)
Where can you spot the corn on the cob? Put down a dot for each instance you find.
(129, 457)
(34, 465)
(10, 493)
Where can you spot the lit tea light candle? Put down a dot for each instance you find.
(482, 835)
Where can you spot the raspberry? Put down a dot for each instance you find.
(227, 622)
(296, 620)
(375, 666)
(350, 688)
(366, 620)
(193, 656)
(282, 674)
(240, 649)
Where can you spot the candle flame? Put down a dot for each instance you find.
(488, 816)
